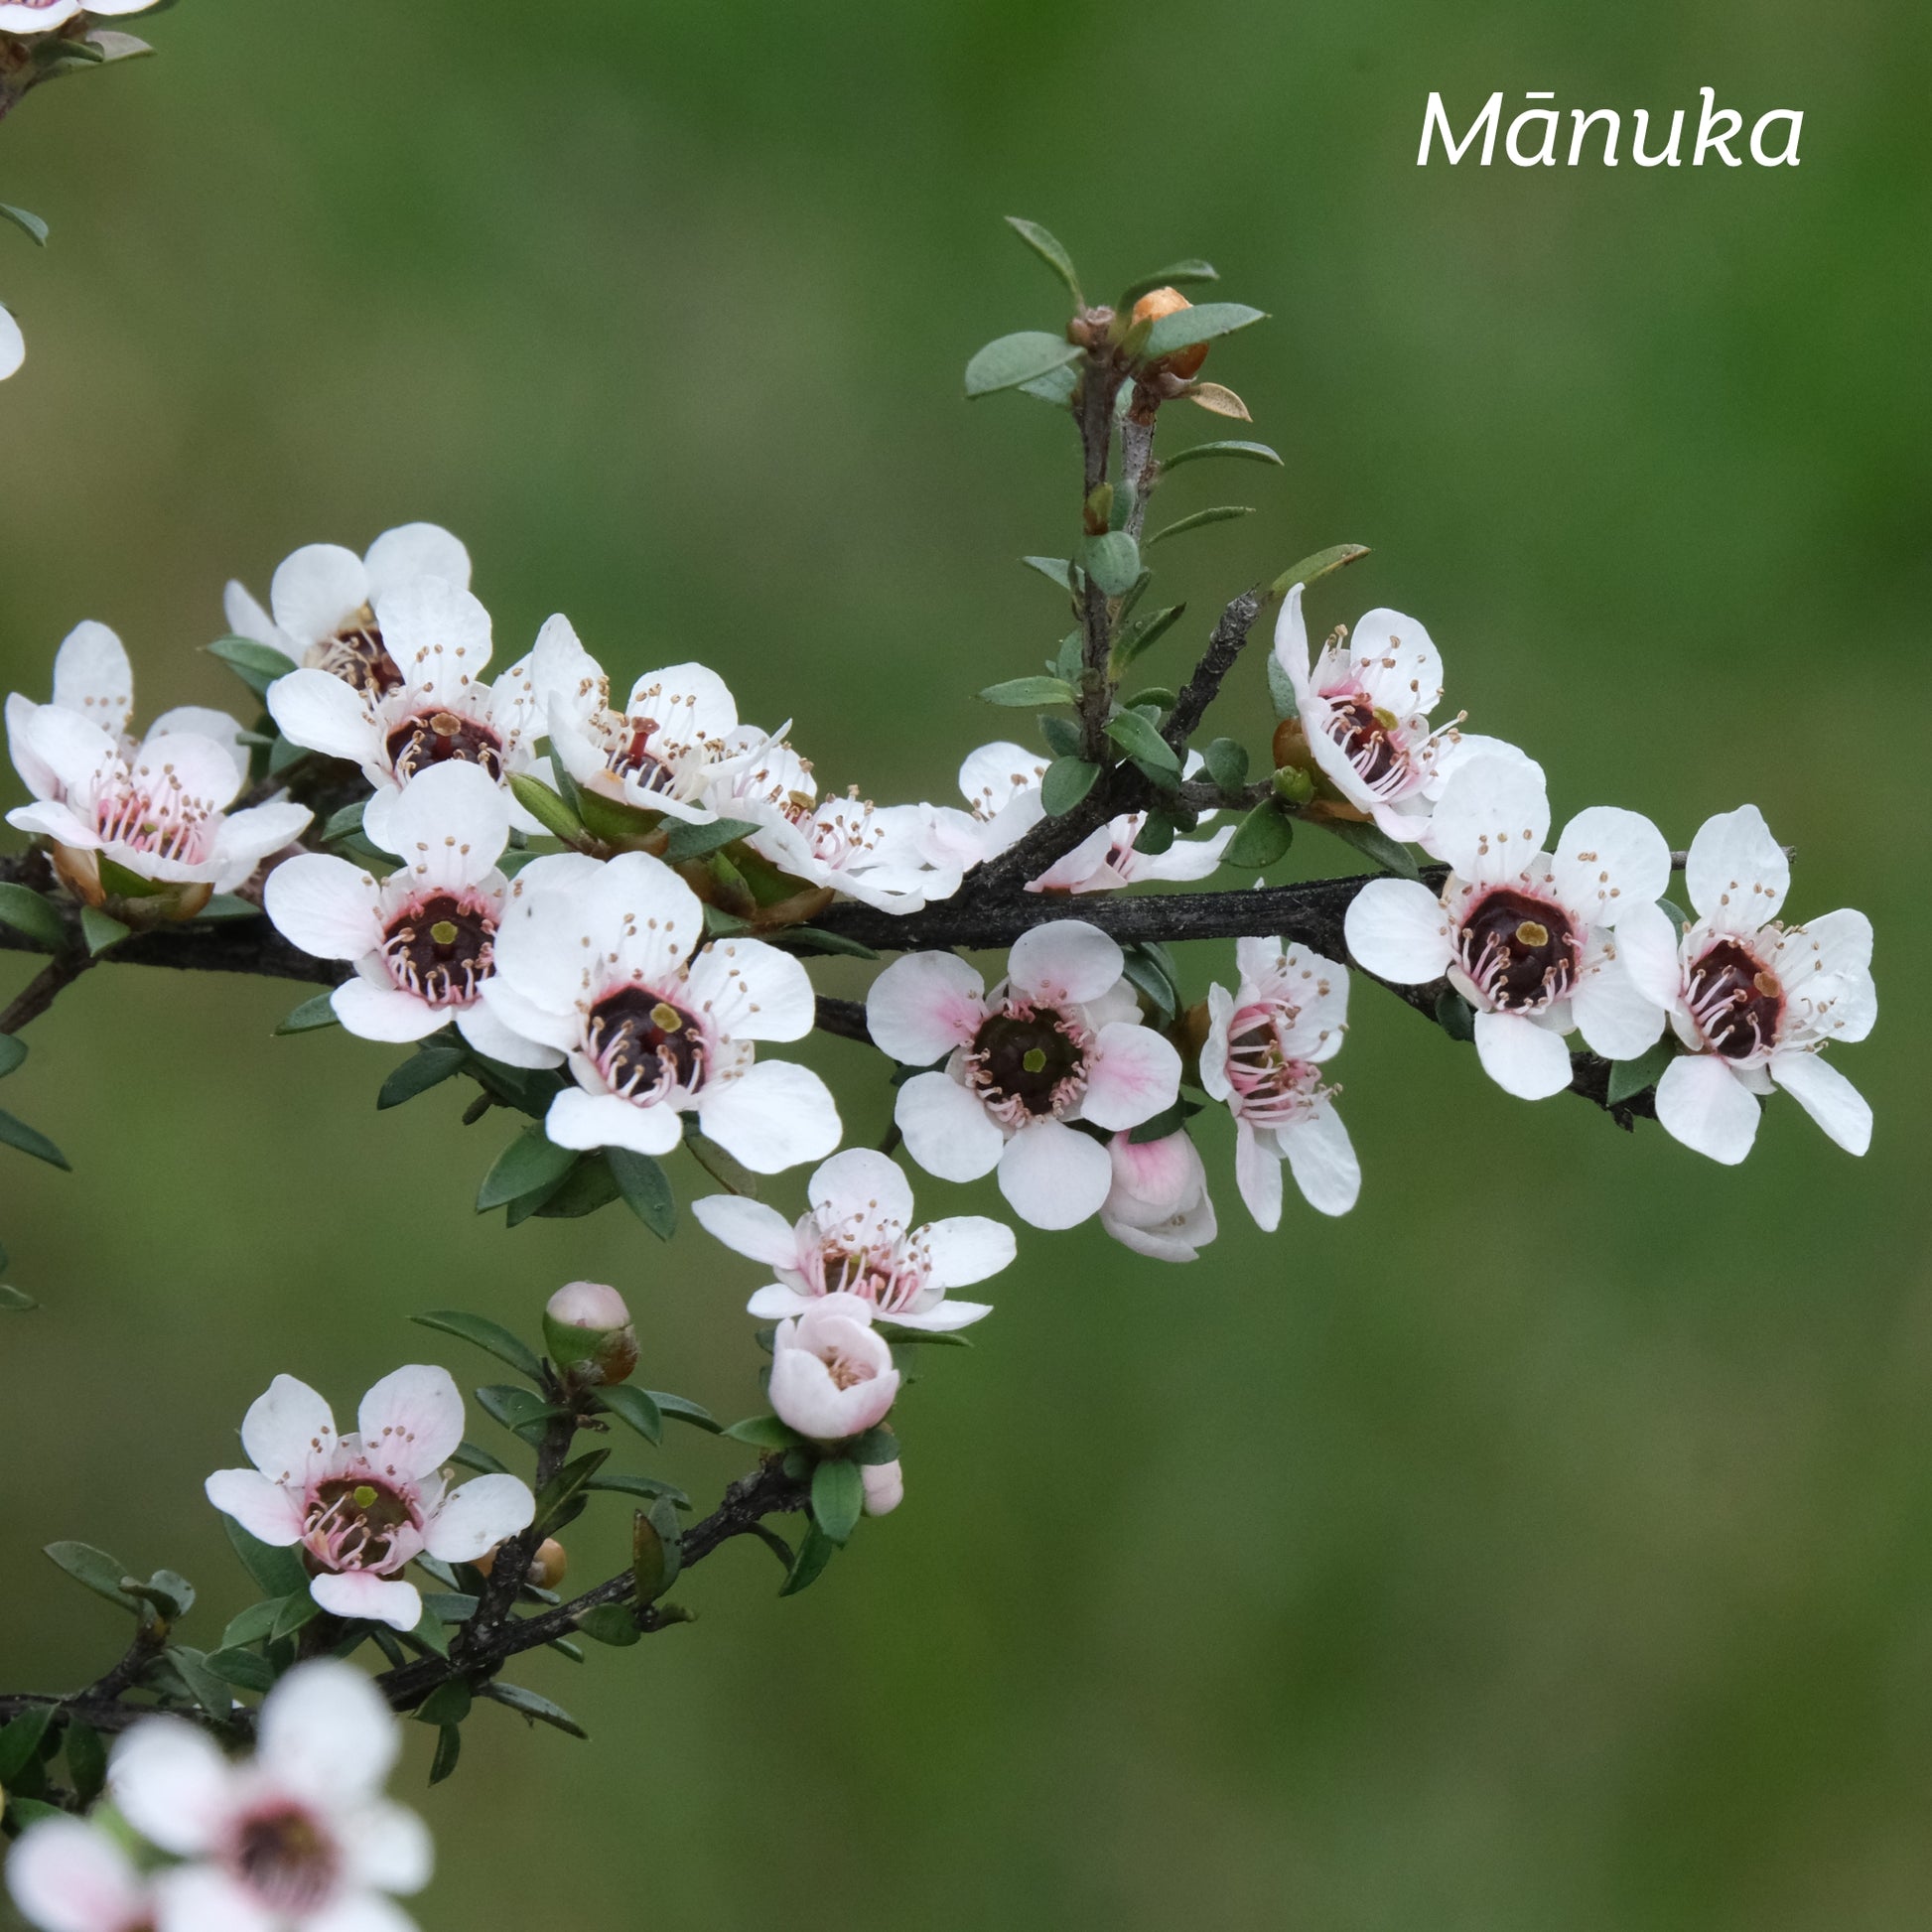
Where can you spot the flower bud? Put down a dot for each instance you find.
(588, 1331)
(884, 1487)
(1155, 303)
(1293, 785)
(1159, 1205)
(547, 1567)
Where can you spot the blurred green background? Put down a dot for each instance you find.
(1546, 1544)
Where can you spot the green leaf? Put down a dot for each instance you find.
(532, 1160)
(815, 1551)
(1629, 1078)
(1070, 657)
(275, 1572)
(96, 1570)
(310, 1015)
(491, 1337)
(517, 1409)
(1374, 845)
(544, 805)
(248, 1670)
(1028, 691)
(656, 1551)
(208, 1688)
(1201, 324)
(13, 1051)
(648, 1488)
(730, 1175)
(1063, 734)
(1156, 698)
(428, 1066)
(1679, 919)
(448, 1704)
(1220, 513)
(527, 1704)
(1056, 386)
(1056, 570)
(14, 1301)
(1253, 452)
(344, 824)
(449, 1749)
(116, 45)
(253, 1624)
(1144, 632)
(645, 1190)
(1455, 1015)
(472, 1455)
(1138, 739)
(20, 1741)
(87, 1753)
(633, 1406)
(611, 1624)
(1113, 561)
(1148, 976)
(23, 1812)
(257, 665)
(1044, 245)
(168, 1590)
(1262, 838)
(694, 841)
(299, 1610)
(589, 1185)
(811, 940)
(1014, 359)
(1067, 781)
(26, 911)
(17, 1134)
(28, 224)
(837, 1497)
(227, 906)
(682, 1408)
(1280, 688)
(561, 1500)
(449, 1606)
(766, 1433)
(1318, 566)
(1227, 763)
(1176, 275)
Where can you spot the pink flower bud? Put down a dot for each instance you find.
(588, 1304)
(884, 1487)
(1159, 1205)
(832, 1375)
(588, 1333)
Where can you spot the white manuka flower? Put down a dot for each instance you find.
(157, 808)
(1525, 936)
(43, 16)
(605, 965)
(1060, 1039)
(13, 345)
(1263, 1055)
(832, 1373)
(1159, 1205)
(424, 939)
(322, 599)
(1365, 706)
(439, 712)
(69, 1877)
(859, 1239)
(362, 1507)
(297, 1839)
(1753, 1000)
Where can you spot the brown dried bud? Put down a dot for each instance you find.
(1183, 364)
(548, 1565)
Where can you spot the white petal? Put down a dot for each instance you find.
(203, 1898)
(364, 1911)
(327, 1734)
(1063, 961)
(1609, 861)
(416, 550)
(1826, 1096)
(1396, 928)
(943, 1317)
(924, 1005)
(172, 1785)
(384, 1012)
(41, 777)
(774, 1303)
(1736, 873)
(479, 1516)
(1323, 1160)
(864, 1190)
(966, 1248)
(362, 1594)
(92, 676)
(1491, 819)
(776, 1116)
(1398, 664)
(448, 825)
(67, 1877)
(993, 777)
(389, 1849)
(205, 721)
(1258, 1176)
(751, 991)
(1133, 1075)
(690, 703)
(289, 1433)
(438, 635)
(1701, 1103)
(1616, 1017)
(411, 1421)
(325, 906)
(13, 345)
(1522, 1057)
(482, 1027)
(247, 619)
(323, 714)
(317, 591)
(1214, 1048)
(1646, 944)
(749, 1228)
(586, 1120)
(268, 1511)
(947, 1132)
(247, 838)
(543, 1028)
(1054, 1176)
(1292, 641)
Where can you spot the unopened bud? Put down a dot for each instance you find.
(1155, 303)
(884, 1487)
(588, 1331)
(1293, 785)
(547, 1567)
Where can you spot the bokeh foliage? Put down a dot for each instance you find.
(1545, 1544)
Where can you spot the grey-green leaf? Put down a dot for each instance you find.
(531, 1161)
(1027, 692)
(1629, 1078)
(1200, 324)
(1014, 359)
(1046, 245)
(1318, 566)
(1137, 736)
(310, 1015)
(1227, 763)
(1217, 513)
(257, 665)
(837, 1497)
(1375, 845)
(1253, 452)
(1261, 838)
(480, 1332)
(26, 911)
(1067, 781)
(645, 1190)
(17, 1134)
(428, 1066)
(28, 224)
(1174, 276)
(1113, 561)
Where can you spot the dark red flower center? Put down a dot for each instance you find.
(358, 655)
(644, 1045)
(442, 949)
(1736, 1003)
(1367, 739)
(1025, 1062)
(1520, 952)
(443, 737)
(285, 1857)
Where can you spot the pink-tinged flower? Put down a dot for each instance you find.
(1528, 938)
(69, 1877)
(1754, 1000)
(322, 599)
(423, 939)
(157, 808)
(43, 16)
(1060, 1039)
(1159, 1205)
(362, 1506)
(832, 1374)
(607, 965)
(1266, 1046)
(884, 1487)
(297, 1839)
(439, 711)
(13, 345)
(1364, 705)
(859, 1239)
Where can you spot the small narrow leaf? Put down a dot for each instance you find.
(427, 1067)
(645, 1190)
(1280, 688)
(26, 911)
(632, 1405)
(682, 1408)
(1137, 736)
(527, 1704)
(14, 1301)
(1455, 1015)
(449, 1749)
(100, 1573)
(20, 1741)
(1375, 845)
(28, 224)
(766, 1433)
(491, 1337)
(561, 1500)
(1014, 359)
(1176, 275)
(529, 1164)
(1056, 570)
(257, 665)
(1253, 452)
(695, 841)
(1310, 569)
(1219, 400)
(837, 1497)
(275, 1572)
(247, 1670)
(815, 1551)
(1063, 734)
(1220, 513)
(1067, 781)
(208, 1688)
(13, 1051)
(1263, 837)
(1143, 633)
(1628, 1078)
(17, 1134)
(1056, 386)
(1047, 248)
(1026, 692)
(1202, 324)
(810, 940)
(310, 1015)
(546, 808)
(612, 1624)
